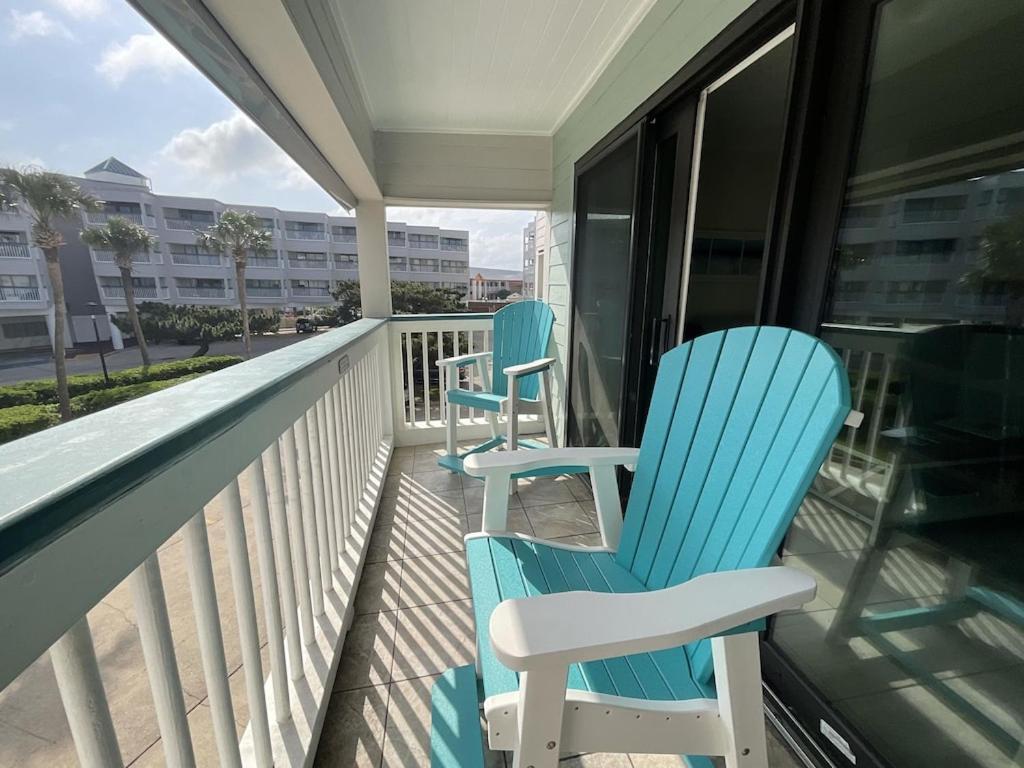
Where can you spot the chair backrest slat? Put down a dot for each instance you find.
(522, 331)
(739, 422)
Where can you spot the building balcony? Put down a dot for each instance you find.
(200, 292)
(20, 293)
(187, 225)
(308, 264)
(340, 238)
(102, 217)
(263, 262)
(140, 292)
(15, 251)
(197, 259)
(303, 234)
(264, 293)
(107, 257)
(310, 292)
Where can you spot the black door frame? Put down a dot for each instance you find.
(832, 47)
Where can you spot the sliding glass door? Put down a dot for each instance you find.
(914, 647)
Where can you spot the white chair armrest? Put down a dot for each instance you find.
(512, 462)
(525, 369)
(460, 360)
(550, 631)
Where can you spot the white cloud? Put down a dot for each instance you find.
(495, 237)
(82, 9)
(6, 125)
(232, 149)
(141, 53)
(36, 24)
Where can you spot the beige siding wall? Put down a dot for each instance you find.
(671, 33)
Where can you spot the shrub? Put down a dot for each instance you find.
(99, 399)
(45, 390)
(21, 420)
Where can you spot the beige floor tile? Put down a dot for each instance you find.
(552, 521)
(428, 506)
(657, 761)
(582, 540)
(368, 654)
(517, 522)
(353, 734)
(544, 490)
(433, 638)
(475, 500)
(434, 579)
(391, 510)
(379, 587)
(386, 543)
(578, 488)
(597, 760)
(401, 463)
(407, 735)
(436, 480)
(435, 537)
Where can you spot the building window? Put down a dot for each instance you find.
(397, 263)
(395, 237)
(932, 251)
(454, 267)
(343, 234)
(423, 265)
(308, 259)
(428, 242)
(24, 329)
(454, 244)
(923, 209)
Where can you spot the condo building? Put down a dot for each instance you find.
(310, 254)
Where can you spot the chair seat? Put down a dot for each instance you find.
(501, 568)
(485, 401)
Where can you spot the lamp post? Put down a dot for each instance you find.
(96, 329)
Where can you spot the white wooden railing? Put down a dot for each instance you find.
(302, 433)
(418, 402)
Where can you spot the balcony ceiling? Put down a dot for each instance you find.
(480, 66)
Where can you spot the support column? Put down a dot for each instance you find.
(374, 270)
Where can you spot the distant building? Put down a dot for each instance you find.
(495, 284)
(535, 240)
(309, 254)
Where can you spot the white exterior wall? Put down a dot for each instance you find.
(20, 311)
(670, 35)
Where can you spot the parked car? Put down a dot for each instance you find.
(308, 324)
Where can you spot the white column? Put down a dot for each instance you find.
(374, 271)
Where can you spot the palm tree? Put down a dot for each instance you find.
(47, 198)
(238, 234)
(125, 239)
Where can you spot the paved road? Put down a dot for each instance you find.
(40, 366)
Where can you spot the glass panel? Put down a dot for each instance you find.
(600, 299)
(915, 527)
(739, 167)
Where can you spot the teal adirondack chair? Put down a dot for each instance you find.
(649, 644)
(522, 331)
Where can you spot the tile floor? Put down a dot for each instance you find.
(414, 616)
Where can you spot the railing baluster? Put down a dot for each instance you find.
(316, 585)
(323, 551)
(334, 465)
(442, 401)
(297, 535)
(426, 377)
(211, 639)
(161, 665)
(245, 607)
(360, 412)
(268, 581)
(344, 432)
(283, 554)
(85, 702)
(410, 383)
(327, 472)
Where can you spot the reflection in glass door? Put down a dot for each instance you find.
(737, 152)
(915, 527)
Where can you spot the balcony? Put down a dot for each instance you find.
(107, 257)
(14, 251)
(263, 293)
(20, 293)
(102, 217)
(263, 262)
(311, 291)
(197, 259)
(187, 225)
(140, 292)
(201, 292)
(305, 234)
(294, 263)
(342, 238)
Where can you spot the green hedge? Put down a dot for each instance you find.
(99, 399)
(22, 420)
(45, 390)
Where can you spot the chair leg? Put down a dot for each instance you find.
(740, 704)
(450, 374)
(512, 439)
(549, 414)
(541, 705)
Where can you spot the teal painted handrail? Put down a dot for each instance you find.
(56, 479)
(445, 317)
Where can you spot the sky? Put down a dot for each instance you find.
(90, 78)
